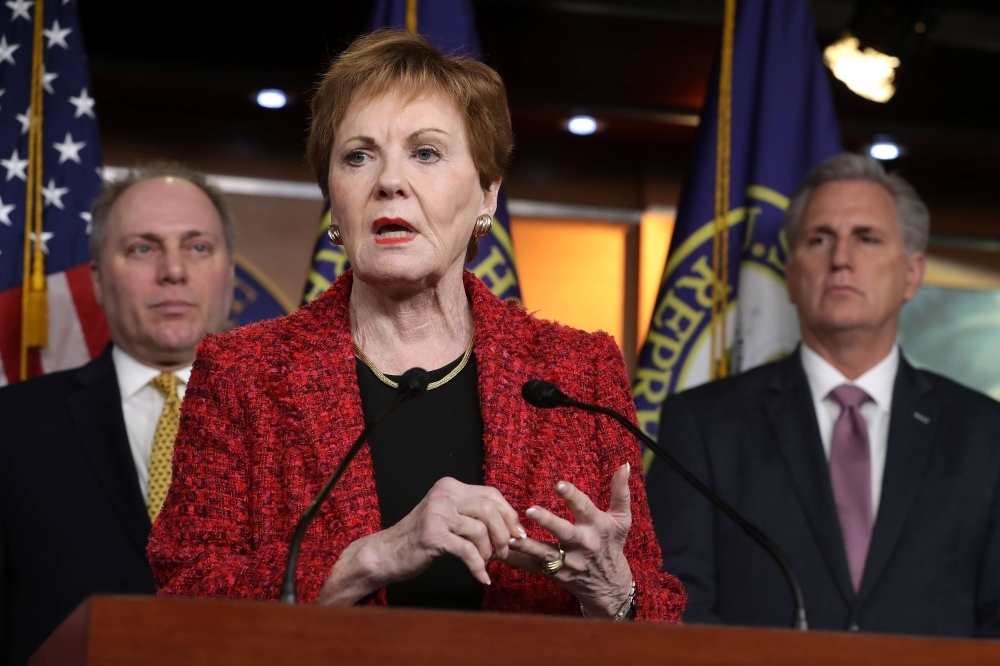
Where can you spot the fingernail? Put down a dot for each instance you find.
(561, 486)
(512, 541)
(504, 552)
(530, 512)
(520, 530)
(628, 467)
(488, 581)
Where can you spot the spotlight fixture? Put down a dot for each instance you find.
(867, 73)
(881, 35)
(271, 98)
(582, 125)
(884, 150)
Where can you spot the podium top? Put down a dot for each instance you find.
(108, 630)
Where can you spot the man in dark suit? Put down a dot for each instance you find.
(879, 481)
(85, 453)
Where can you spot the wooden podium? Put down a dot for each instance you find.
(147, 631)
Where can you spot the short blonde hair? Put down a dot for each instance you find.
(396, 61)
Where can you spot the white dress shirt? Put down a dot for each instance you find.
(142, 405)
(878, 383)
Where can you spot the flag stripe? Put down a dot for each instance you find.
(67, 347)
(90, 314)
(10, 335)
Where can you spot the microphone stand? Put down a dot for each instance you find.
(412, 384)
(545, 394)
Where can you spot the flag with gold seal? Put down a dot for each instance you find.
(768, 119)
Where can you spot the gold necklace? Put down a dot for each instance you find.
(430, 387)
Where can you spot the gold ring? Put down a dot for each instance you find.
(551, 566)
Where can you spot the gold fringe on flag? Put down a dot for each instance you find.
(34, 302)
(720, 242)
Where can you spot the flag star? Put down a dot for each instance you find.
(47, 80)
(46, 237)
(84, 105)
(25, 120)
(7, 50)
(15, 167)
(86, 217)
(57, 35)
(69, 149)
(53, 195)
(5, 212)
(19, 8)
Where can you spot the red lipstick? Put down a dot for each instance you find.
(392, 231)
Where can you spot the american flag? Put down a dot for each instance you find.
(71, 161)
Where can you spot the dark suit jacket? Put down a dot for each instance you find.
(934, 562)
(72, 519)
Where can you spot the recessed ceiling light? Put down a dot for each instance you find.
(884, 150)
(582, 125)
(271, 98)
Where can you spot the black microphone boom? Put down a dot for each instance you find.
(412, 384)
(545, 394)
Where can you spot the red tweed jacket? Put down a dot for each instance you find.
(272, 408)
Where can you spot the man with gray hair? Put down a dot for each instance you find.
(85, 460)
(880, 482)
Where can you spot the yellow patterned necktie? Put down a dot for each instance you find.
(163, 442)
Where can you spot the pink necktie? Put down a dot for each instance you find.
(851, 477)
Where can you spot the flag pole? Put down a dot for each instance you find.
(720, 244)
(411, 16)
(34, 307)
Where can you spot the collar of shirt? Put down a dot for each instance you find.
(133, 375)
(878, 382)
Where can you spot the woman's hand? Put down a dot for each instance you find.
(469, 522)
(595, 568)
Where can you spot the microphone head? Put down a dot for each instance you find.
(414, 382)
(542, 394)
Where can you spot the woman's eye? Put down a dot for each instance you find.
(356, 157)
(200, 248)
(141, 249)
(426, 154)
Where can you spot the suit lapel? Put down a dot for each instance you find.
(95, 407)
(912, 423)
(792, 414)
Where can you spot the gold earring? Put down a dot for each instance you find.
(334, 233)
(483, 225)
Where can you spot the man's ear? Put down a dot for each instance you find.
(791, 277)
(916, 266)
(95, 281)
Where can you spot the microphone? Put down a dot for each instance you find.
(545, 394)
(412, 384)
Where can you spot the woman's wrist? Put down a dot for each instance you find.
(357, 573)
(617, 608)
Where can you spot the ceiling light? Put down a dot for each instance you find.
(868, 73)
(582, 125)
(271, 98)
(884, 150)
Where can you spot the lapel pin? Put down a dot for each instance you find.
(920, 417)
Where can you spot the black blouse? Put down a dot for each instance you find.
(436, 435)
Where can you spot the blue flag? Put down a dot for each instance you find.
(71, 160)
(450, 26)
(783, 124)
(255, 297)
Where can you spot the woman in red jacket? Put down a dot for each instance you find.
(464, 498)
